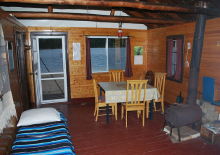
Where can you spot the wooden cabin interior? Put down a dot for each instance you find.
(147, 23)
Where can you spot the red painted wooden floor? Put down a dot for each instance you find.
(99, 138)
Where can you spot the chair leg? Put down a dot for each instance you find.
(113, 109)
(162, 106)
(143, 117)
(155, 108)
(95, 110)
(97, 113)
(147, 109)
(122, 112)
(138, 113)
(116, 111)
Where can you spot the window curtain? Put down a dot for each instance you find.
(88, 60)
(179, 58)
(128, 69)
(169, 57)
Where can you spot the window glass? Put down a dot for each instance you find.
(175, 68)
(98, 54)
(116, 53)
(107, 54)
(50, 52)
(10, 55)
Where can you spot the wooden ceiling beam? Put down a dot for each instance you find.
(136, 14)
(173, 15)
(90, 17)
(138, 5)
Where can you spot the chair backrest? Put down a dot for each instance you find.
(95, 90)
(159, 82)
(136, 86)
(116, 75)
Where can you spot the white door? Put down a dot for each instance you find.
(51, 69)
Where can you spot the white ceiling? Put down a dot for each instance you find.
(74, 23)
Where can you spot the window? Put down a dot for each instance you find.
(10, 54)
(175, 57)
(107, 53)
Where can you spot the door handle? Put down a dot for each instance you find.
(36, 73)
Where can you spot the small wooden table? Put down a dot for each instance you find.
(115, 92)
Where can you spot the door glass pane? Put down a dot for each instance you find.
(98, 54)
(53, 89)
(50, 52)
(116, 53)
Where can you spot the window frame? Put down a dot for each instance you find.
(106, 45)
(175, 37)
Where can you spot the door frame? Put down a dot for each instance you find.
(21, 64)
(65, 34)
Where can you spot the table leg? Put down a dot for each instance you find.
(100, 91)
(107, 113)
(151, 109)
(100, 95)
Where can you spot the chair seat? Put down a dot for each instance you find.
(134, 107)
(101, 98)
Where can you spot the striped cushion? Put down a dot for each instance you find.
(101, 98)
(51, 138)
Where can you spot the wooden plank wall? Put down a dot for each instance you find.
(210, 61)
(80, 87)
(9, 24)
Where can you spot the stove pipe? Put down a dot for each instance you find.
(196, 57)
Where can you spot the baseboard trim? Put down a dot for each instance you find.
(81, 100)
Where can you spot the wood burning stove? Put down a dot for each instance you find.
(180, 114)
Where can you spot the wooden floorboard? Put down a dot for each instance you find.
(99, 138)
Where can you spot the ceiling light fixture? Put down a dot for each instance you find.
(120, 30)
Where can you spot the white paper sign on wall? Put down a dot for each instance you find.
(76, 51)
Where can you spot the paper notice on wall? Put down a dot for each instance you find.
(76, 51)
(138, 60)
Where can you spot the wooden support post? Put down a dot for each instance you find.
(112, 12)
(50, 8)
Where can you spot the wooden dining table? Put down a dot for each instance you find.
(115, 92)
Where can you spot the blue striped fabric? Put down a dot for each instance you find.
(43, 139)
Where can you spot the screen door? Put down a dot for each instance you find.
(52, 69)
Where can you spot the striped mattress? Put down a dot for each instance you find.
(43, 139)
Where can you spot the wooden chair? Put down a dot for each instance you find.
(159, 83)
(135, 104)
(100, 102)
(116, 75)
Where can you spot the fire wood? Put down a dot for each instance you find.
(139, 5)
(89, 17)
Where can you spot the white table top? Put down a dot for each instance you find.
(116, 92)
